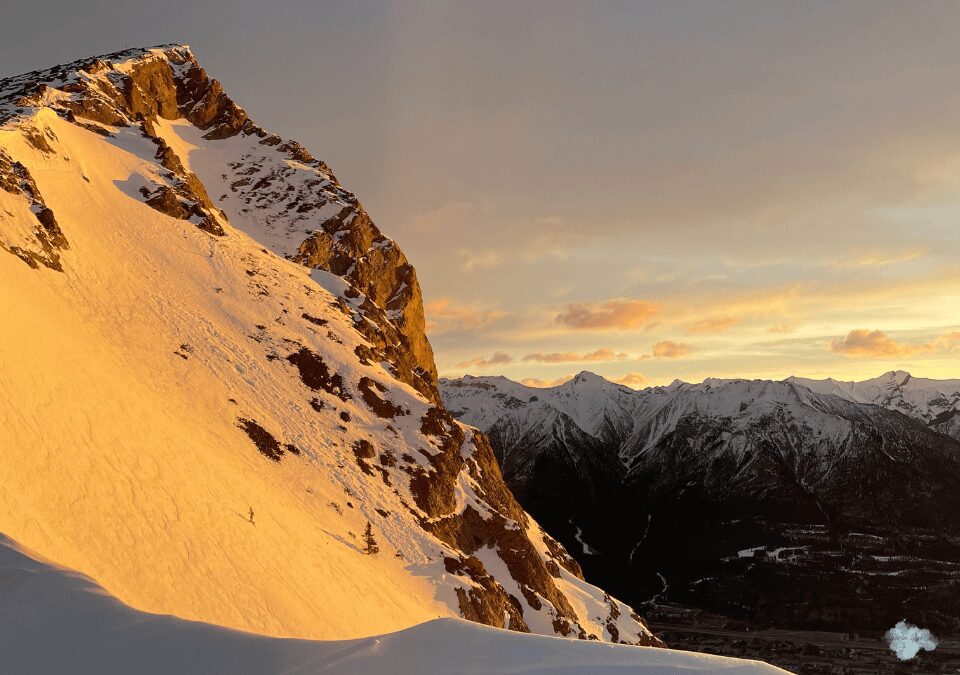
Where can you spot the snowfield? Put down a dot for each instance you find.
(124, 459)
(935, 402)
(53, 620)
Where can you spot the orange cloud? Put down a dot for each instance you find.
(717, 325)
(443, 316)
(498, 359)
(609, 314)
(949, 342)
(670, 350)
(882, 258)
(603, 354)
(874, 343)
(543, 384)
(632, 380)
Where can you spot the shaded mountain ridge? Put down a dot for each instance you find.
(676, 482)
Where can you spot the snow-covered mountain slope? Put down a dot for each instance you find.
(55, 621)
(213, 378)
(597, 406)
(728, 435)
(936, 402)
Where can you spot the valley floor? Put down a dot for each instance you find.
(810, 652)
(789, 595)
(53, 620)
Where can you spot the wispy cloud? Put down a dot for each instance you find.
(497, 359)
(714, 325)
(445, 217)
(667, 349)
(443, 315)
(602, 354)
(537, 382)
(882, 257)
(559, 245)
(479, 260)
(610, 314)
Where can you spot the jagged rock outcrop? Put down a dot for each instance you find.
(350, 245)
(292, 362)
(39, 239)
(168, 83)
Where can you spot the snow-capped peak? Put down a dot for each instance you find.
(923, 398)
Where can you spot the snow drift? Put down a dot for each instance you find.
(42, 605)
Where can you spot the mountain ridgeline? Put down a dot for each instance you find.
(215, 377)
(805, 504)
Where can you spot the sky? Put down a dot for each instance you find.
(646, 190)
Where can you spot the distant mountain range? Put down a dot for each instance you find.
(673, 494)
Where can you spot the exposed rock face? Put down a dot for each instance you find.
(41, 238)
(351, 246)
(95, 94)
(504, 527)
(345, 392)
